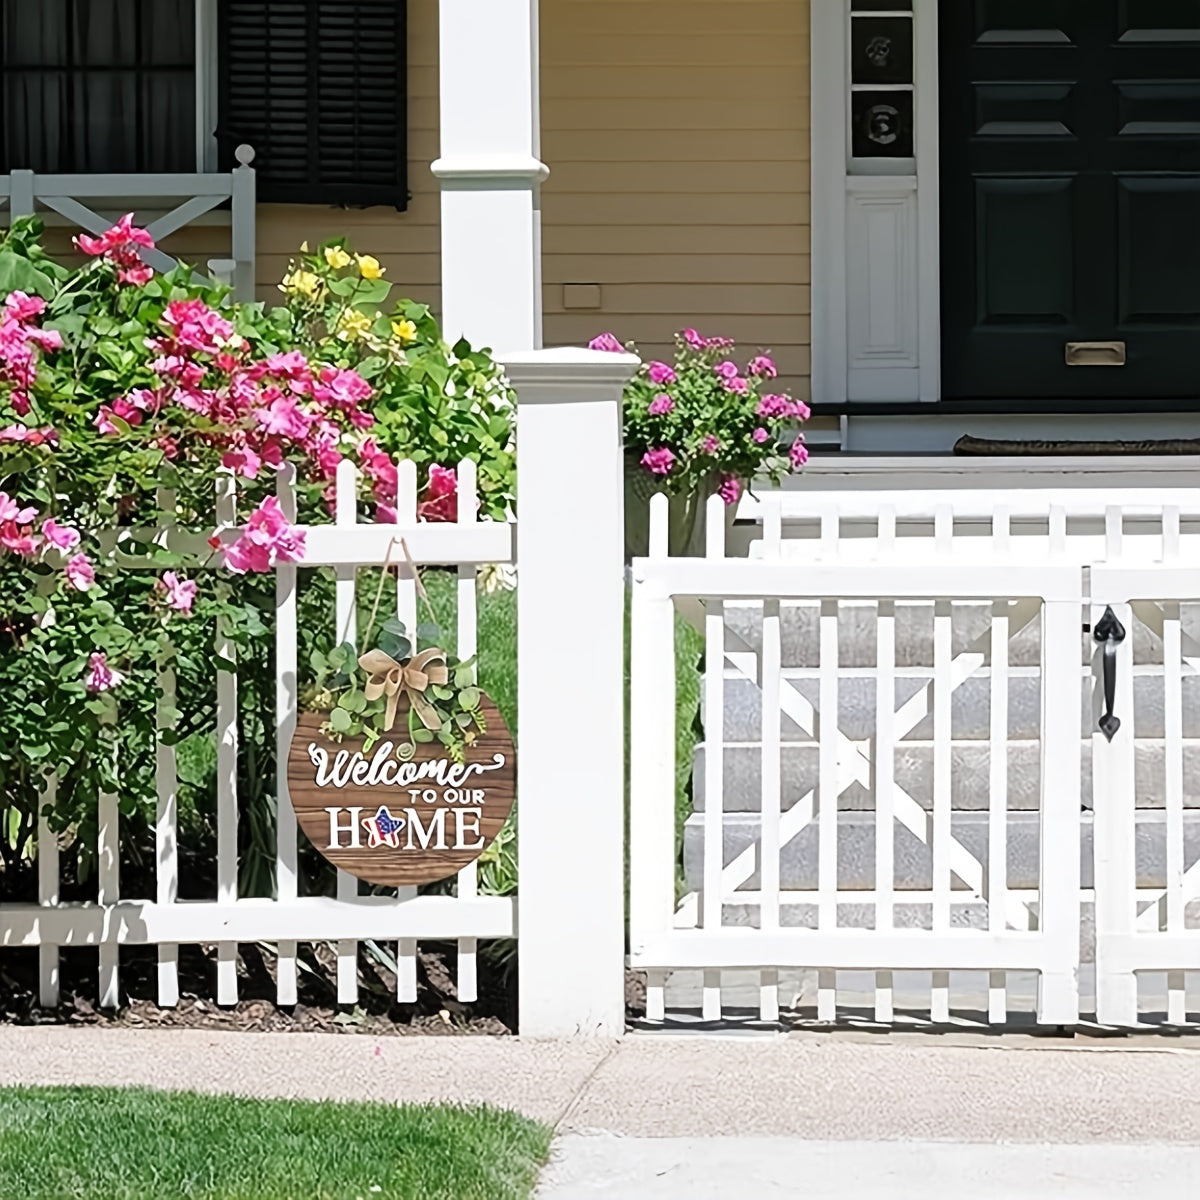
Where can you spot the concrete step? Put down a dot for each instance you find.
(970, 705)
(856, 991)
(913, 859)
(913, 771)
(857, 633)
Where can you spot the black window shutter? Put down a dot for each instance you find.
(318, 88)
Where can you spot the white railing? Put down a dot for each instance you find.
(165, 921)
(28, 193)
(913, 652)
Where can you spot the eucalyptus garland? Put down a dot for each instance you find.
(397, 688)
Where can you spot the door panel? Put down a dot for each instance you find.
(1025, 266)
(1070, 196)
(1158, 231)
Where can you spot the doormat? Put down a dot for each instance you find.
(987, 447)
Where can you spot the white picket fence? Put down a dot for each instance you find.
(961, 581)
(570, 608)
(347, 917)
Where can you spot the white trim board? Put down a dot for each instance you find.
(876, 295)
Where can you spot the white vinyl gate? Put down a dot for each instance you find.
(900, 640)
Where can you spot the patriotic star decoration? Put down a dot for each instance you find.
(383, 829)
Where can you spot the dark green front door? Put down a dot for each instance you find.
(1070, 207)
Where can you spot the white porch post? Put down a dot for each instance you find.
(570, 673)
(490, 171)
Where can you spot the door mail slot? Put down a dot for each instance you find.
(1095, 354)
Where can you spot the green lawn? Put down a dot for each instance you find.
(136, 1144)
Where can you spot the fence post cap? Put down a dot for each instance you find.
(569, 365)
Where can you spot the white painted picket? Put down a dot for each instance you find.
(1039, 557)
(1143, 932)
(404, 917)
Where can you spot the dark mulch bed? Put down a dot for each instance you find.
(437, 1012)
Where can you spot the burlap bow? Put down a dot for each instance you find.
(406, 680)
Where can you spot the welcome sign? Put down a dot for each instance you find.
(399, 814)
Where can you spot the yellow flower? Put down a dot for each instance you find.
(368, 267)
(336, 257)
(353, 325)
(302, 283)
(405, 331)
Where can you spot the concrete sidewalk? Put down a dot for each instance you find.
(658, 1111)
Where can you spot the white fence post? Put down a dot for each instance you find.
(570, 655)
(243, 235)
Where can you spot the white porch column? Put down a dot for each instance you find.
(570, 680)
(490, 171)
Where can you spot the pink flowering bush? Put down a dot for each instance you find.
(123, 395)
(707, 423)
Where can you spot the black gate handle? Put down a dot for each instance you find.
(1111, 633)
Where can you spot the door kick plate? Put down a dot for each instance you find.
(1095, 354)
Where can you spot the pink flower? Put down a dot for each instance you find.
(709, 445)
(738, 386)
(661, 405)
(11, 511)
(137, 276)
(730, 490)
(32, 437)
(283, 416)
(798, 453)
(20, 539)
(121, 234)
(441, 496)
(180, 593)
(289, 365)
(658, 462)
(104, 421)
(23, 307)
(242, 461)
(760, 435)
(266, 540)
(606, 342)
(80, 572)
(726, 369)
(119, 245)
(62, 536)
(661, 374)
(100, 676)
(764, 366)
(20, 403)
(196, 327)
(343, 389)
(783, 407)
(693, 339)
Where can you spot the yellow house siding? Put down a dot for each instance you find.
(676, 132)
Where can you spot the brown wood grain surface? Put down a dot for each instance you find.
(409, 863)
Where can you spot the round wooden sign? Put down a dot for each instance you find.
(395, 822)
